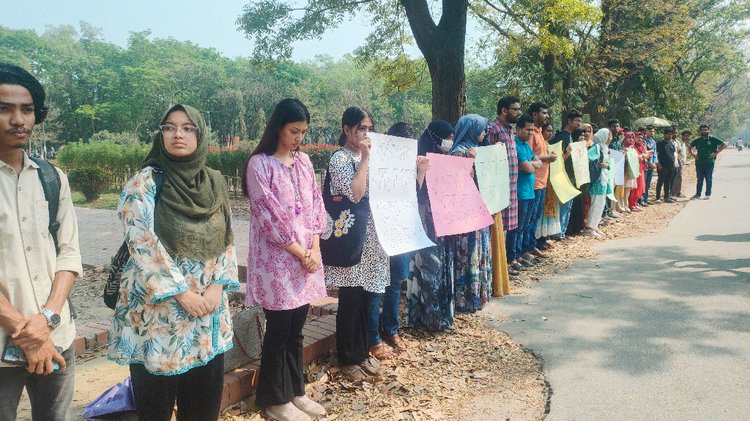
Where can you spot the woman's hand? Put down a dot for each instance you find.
(212, 294)
(313, 260)
(364, 147)
(471, 153)
(603, 165)
(196, 305)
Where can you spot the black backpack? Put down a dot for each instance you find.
(112, 288)
(51, 185)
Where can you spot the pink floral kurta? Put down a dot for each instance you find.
(275, 278)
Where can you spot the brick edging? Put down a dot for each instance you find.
(319, 333)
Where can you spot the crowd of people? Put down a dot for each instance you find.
(172, 324)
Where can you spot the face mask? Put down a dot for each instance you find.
(446, 145)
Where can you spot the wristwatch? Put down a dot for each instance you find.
(53, 319)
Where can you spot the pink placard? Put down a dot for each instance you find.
(457, 206)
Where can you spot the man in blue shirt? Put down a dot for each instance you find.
(527, 164)
(652, 162)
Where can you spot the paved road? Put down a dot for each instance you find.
(100, 235)
(658, 328)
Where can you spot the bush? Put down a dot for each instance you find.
(117, 162)
(89, 181)
(320, 154)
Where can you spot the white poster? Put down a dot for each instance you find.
(580, 155)
(393, 194)
(491, 167)
(619, 167)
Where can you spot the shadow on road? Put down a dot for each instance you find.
(730, 238)
(668, 293)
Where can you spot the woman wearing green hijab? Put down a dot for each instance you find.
(172, 323)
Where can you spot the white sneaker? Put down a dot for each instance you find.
(309, 406)
(286, 412)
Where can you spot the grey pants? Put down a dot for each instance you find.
(50, 395)
(677, 182)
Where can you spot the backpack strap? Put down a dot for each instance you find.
(51, 185)
(158, 175)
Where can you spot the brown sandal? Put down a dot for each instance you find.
(396, 342)
(381, 352)
(371, 366)
(353, 373)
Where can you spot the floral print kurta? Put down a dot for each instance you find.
(275, 278)
(150, 327)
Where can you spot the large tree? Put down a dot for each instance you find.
(275, 24)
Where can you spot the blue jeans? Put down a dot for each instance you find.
(649, 176)
(565, 216)
(529, 237)
(524, 218)
(704, 171)
(391, 300)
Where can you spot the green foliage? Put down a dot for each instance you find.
(89, 181)
(230, 162)
(319, 154)
(117, 162)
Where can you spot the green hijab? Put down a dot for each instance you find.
(192, 218)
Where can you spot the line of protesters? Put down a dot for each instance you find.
(172, 323)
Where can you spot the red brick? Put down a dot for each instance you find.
(80, 344)
(102, 337)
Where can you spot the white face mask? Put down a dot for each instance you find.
(446, 145)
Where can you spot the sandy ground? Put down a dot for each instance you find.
(471, 370)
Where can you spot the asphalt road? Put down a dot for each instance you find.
(658, 327)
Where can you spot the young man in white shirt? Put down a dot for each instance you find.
(36, 275)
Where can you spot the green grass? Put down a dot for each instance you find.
(107, 200)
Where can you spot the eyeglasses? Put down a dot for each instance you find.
(172, 130)
(516, 109)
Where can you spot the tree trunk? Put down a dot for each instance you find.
(443, 46)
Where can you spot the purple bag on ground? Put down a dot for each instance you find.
(118, 399)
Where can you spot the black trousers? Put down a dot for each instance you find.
(665, 179)
(351, 325)
(197, 392)
(281, 375)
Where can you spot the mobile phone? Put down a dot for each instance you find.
(13, 354)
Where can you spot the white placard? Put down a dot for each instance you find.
(491, 167)
(393, 194)
(619, 167)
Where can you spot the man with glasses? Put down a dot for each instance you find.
(572, 123)
(500, 130)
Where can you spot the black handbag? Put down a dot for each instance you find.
(344, 247)
(112, 287)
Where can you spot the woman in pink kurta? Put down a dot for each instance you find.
(284, 270)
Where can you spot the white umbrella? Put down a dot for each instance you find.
(652, 121)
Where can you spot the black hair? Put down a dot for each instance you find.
(670, 130)
(352, 118)
(537, 107)
(649, 127)
(14, 75)
(523, 120)
(572, 115)
(704, 125)
(684, 132)
(505, 102)
(401, 129)
(547, 124)
(288, 110)
(612, 122)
